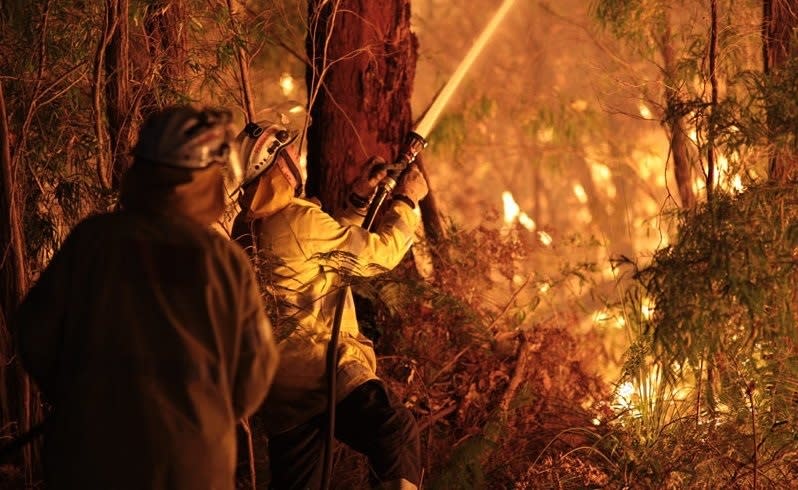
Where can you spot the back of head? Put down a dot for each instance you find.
(182, 160)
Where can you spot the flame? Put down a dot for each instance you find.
(546, 135)
(580, 193)
(287, 84)
(601, 173)
(646, 162)
(545, 238)
(579, 105)
(647, 308)
(699, 184)
(601, 316)
(583, 216)
(544, 287)
(737, 183)
(722, 165)
(511, 208)
(645, 112)
(526, 221)
(626, 390)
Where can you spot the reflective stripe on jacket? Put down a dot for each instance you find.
(310, 247)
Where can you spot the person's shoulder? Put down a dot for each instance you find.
(297, 208)
(226, 247)
(96, 224)
(299, 204)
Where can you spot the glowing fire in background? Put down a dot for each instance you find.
(513, 213)
(287, 85)
(511, 208)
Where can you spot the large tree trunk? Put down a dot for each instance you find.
(363, 58)
(779, 24)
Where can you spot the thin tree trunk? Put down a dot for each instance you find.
(117, 90)
(243, 65)
(674, 122)
(16, 397)
(713, 81)
(430, 212)
(98, 89)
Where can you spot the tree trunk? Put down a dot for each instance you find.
(243, 58)
(15, 397)
(159, 54)
(780, 31)
(674, 122)
(117, 90)
(779, 24)
(363, 57)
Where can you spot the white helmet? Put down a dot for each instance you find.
(259, 144)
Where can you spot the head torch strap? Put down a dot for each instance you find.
(289, 170)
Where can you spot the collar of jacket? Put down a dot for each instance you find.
(267, 195)
(197, 195)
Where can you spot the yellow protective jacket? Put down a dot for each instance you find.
(147, 334)
(309, 248)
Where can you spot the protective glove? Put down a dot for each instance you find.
(371, 175)
(413, 186)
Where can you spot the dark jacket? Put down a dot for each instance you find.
(147, 334)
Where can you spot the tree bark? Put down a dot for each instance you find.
(780, 29)
(779, 24)
(713, 81)
(15, 398)
(243, 58)
(363, 57)
(117, 90)
(674, 122)
(159, 54)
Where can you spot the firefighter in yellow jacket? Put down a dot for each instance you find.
(146, 332)
(307, 245)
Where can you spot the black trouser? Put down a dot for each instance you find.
(368, 420)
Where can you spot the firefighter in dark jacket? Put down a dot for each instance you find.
(146, 332)
(303, 238)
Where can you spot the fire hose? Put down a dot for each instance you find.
(415, 142)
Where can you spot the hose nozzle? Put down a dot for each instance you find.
(414, 143)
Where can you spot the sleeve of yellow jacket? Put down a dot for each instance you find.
(373, 252)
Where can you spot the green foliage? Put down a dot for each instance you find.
(765, 113)
(449, 132)
(727, 283)
(712, 373)
(641, 22)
